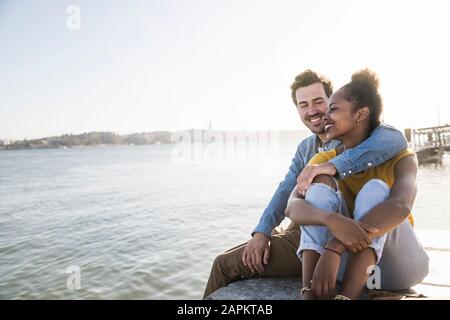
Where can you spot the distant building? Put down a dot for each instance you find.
(2, 143)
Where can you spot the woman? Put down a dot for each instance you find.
(351, 225)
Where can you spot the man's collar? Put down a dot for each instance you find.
(321, 146)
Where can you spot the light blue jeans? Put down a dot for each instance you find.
(402, 261)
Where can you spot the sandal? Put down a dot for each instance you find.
(341, 297)
(304, 290)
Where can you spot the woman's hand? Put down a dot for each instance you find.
(354, 235)
(311, 171)
(323, 283)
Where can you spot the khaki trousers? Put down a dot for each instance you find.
(283, 261)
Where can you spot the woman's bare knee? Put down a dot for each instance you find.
(325, 179)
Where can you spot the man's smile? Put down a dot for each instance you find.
(315, 119)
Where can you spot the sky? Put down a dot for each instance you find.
(136, 66)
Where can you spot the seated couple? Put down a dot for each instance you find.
(349, 193)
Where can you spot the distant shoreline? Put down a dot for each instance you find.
(146, 138)
(90, 139)
(5, 149)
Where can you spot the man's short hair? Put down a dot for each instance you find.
(307, 78)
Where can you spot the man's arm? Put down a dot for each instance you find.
(257, 251)
(274, 213)
(383, 144)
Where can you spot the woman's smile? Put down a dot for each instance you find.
(328, 126)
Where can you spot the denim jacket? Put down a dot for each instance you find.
(383, 143)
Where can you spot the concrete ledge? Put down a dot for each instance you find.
(435, 286)
(260, 289)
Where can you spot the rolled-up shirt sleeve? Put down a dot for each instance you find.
(383, 144)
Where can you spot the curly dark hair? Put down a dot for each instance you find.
(307, 78)
(362, 91)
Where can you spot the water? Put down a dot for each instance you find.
(137, 225)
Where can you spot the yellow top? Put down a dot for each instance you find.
(351, 185)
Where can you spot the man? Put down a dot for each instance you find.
(273, 254)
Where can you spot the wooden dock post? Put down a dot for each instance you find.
(429, 143)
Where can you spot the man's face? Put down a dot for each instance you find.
(312, 103)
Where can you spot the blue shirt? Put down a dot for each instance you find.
(383, 143)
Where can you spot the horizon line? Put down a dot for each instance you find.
(142, 132)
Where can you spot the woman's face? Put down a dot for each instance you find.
(340, 118)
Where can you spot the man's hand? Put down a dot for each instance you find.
(311, 171)
(324, 278)
(354, 235)
(256, 253)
